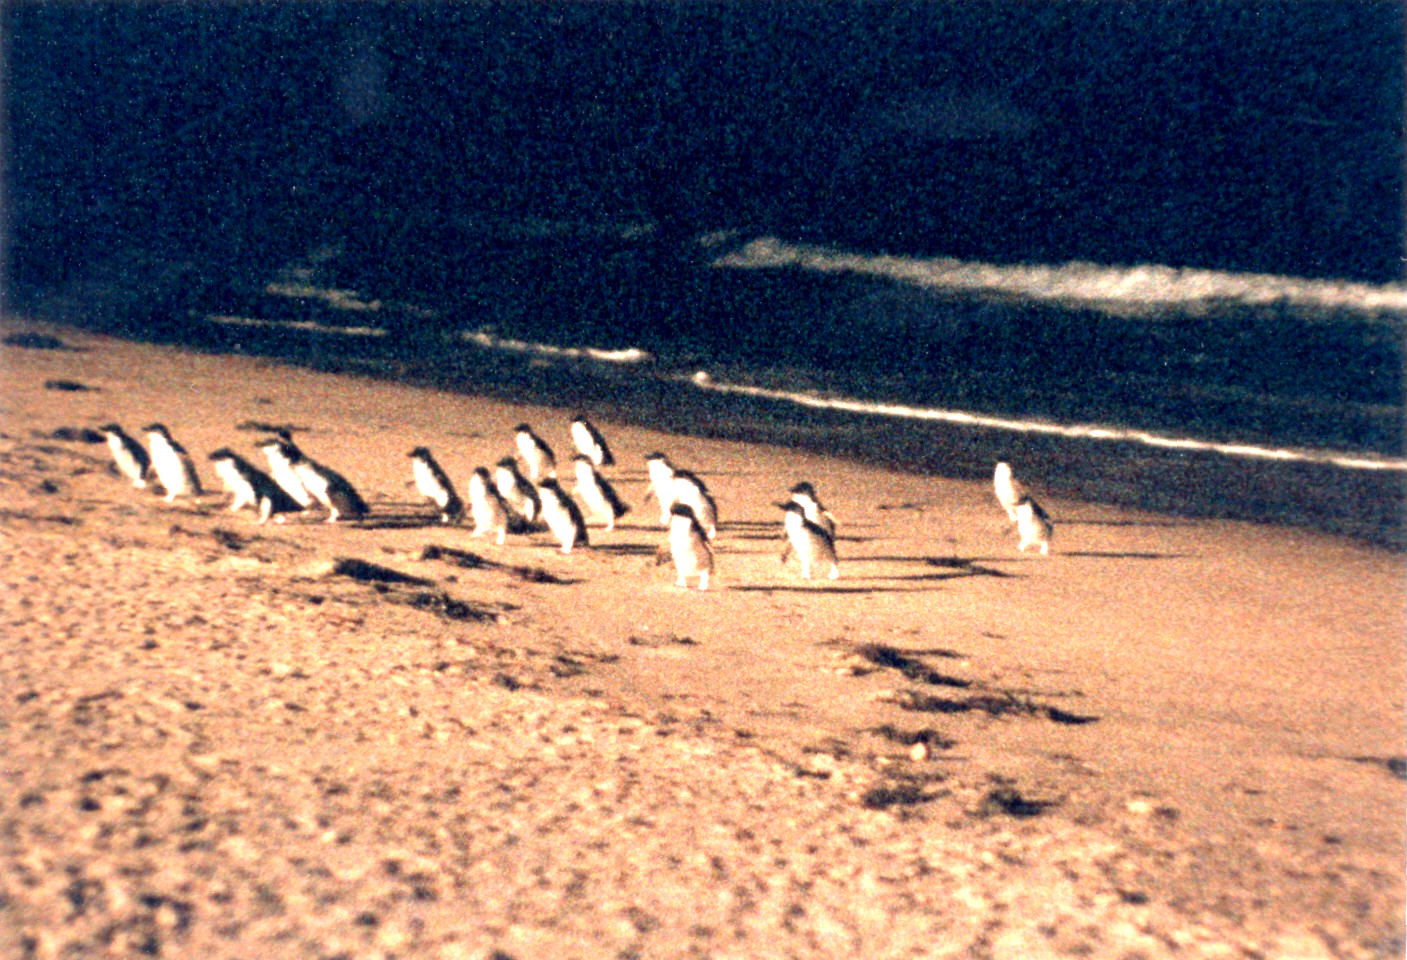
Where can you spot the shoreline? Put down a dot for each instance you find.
(1367, 505)
(1175, 736)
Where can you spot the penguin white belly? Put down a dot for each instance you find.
(562, 527)
(596, 503)
(285, 476)
(662, 487)
(539, 462)
(812, 545)
(314, 483)
(487, 510)
(241, 490)
(172, 470)
(128, 464)
(691, 554)
(586, 444)
(428, 485)
(1033, 528)
(515, 495)
(691, 496)
(1008, 491)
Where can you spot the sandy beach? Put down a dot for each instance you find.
(1172, 737)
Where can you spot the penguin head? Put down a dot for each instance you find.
(805, 489)
(111, 428)
(691, 479)
(224, 453)
(285, 449)
(157, 428)
(419, 453)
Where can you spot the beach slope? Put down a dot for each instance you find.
(1170, 737)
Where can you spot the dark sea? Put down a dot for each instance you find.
(1150, 253)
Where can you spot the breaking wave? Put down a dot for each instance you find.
(1351, 461)
(1113, 289)
(490, 341)
(305, 325)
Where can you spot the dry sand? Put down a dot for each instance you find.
(1170, 738)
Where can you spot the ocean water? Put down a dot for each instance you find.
(1245, 365)
(1263, 397)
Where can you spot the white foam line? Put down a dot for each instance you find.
(1077, 282)
(1080, 431)
(297, 325)
(485, 339)
(332, 296)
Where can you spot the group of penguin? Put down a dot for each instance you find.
(522, 494)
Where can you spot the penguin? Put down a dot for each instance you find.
(434, 484)
(590, 444)
(171, 464)
(596, 492)
(487, 507)
(688, 548)
(562, 515)
(536, 455)
(520, 495)
(661, 484)
(809, 541)
(1008, 490)
(131, 460)
(804, 495)
(251, 487)
(691, 491)
(327, 486)
(1033, 525)
(278, 451)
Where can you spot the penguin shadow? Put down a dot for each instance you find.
(632, 528)
(626, 549)
(39, 341)
(1124, 554)
(469, 560)
(264, 426)
(845, 584)
(778, 534)
(189, 505)
(819, 586)
(399, 521)
(725, 473)
(953, 568)
(743, 525)
(1077, 522)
